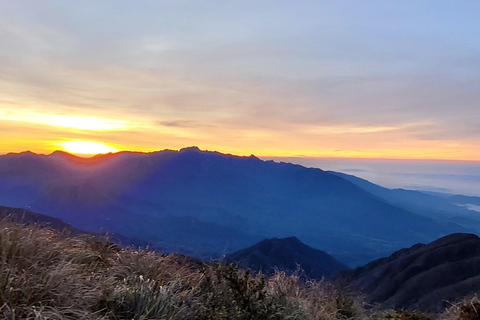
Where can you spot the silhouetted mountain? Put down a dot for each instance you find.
(218, 203)
(28, 218)
(286, 254)
(424, 277)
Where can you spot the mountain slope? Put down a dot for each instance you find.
(45, 275)
(286, 254)
(424, 277)
(449, 209)
(27, 218)
(232, 202)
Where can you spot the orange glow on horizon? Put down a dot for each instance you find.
(86, 147)
(91, 148)
(87, 136)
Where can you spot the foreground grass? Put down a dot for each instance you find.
(47, 275)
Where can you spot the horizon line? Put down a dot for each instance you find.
(262, 157)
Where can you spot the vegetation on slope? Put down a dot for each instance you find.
(47, 275)
(425, 277)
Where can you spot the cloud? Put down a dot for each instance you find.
(438, 176)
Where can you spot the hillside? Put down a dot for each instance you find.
(287, 254)
(28, 218)
(47, 275)
(424, 277)
(209, 204)
(448, 209)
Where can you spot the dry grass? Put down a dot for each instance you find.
(46, 275)
(467, 309)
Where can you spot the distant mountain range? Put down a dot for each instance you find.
(208, 204)
(287, 254)
(424, 277)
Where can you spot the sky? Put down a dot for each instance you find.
(302, 79)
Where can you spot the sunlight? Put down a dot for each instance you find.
(86, 147)
(63, 121)
(88, 123)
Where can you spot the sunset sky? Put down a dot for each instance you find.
(361, 79)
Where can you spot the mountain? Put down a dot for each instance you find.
(28, 218)
(46, 275)
(209, 204)
(424, 277)
(455, 209)
(286, 254)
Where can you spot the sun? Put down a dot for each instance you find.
(86, 147)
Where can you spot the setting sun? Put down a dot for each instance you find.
(86, 147)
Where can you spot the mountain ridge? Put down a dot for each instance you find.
(427, 277)
(148, 194)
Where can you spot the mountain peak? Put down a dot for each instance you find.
(284, 241)
(253, 157)
(286, 254)
(23, 153)
(190, 149)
